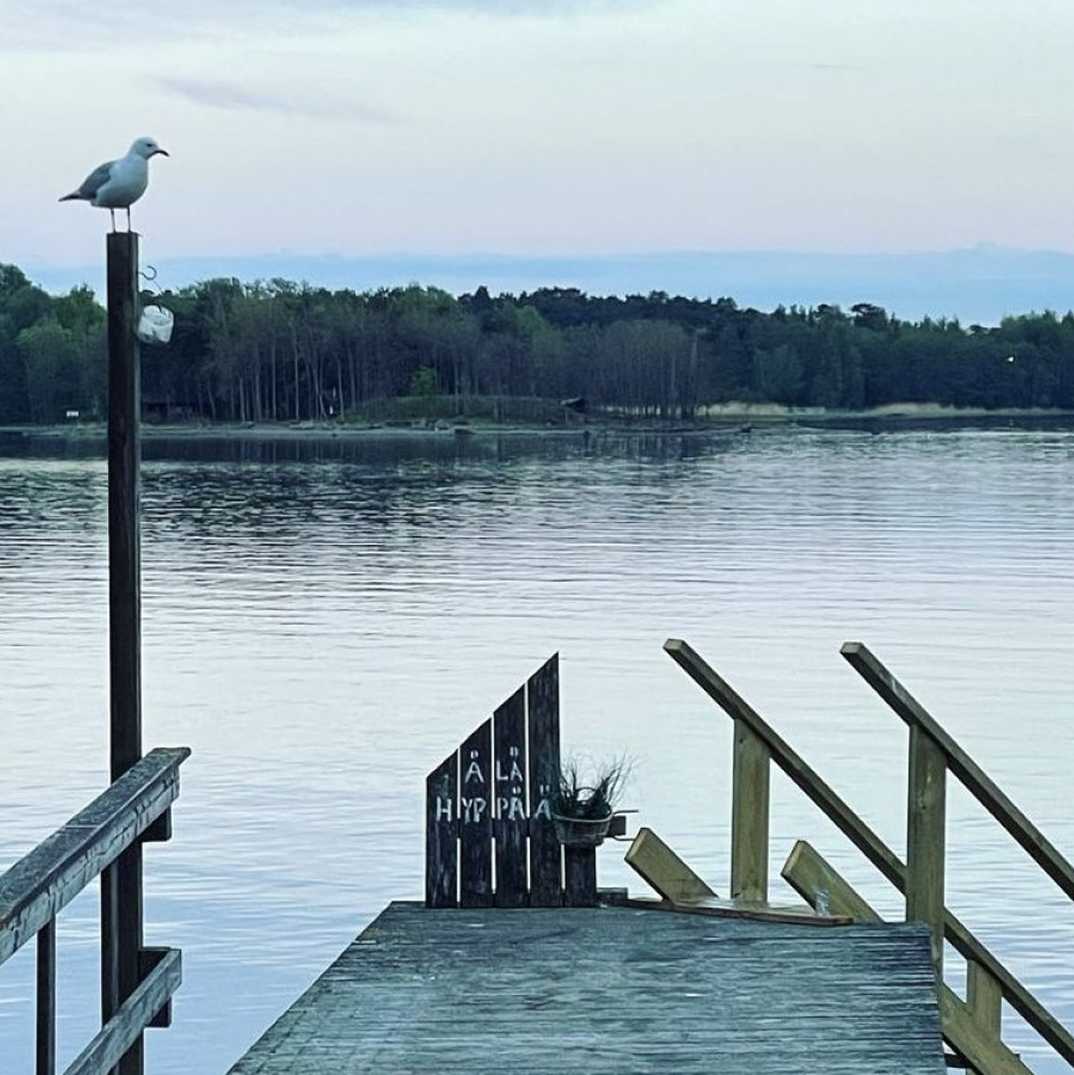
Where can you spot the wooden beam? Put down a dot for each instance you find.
(823, 887)
(716, 908)
(925, 839)
(868, 843)
(979, 784)
(115, 1038)
(39, 885)
(664, 871)
(749, 815)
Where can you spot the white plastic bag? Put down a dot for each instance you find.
(155, 325)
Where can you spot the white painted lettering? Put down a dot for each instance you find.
(472, 809)
(474, 773)
(443, 808)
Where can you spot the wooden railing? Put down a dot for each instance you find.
(972, 1027)
(136, 808)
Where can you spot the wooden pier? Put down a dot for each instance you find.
(612, 989)
(533, 969)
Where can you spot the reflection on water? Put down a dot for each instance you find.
(323, 619)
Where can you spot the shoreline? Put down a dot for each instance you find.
(717, 418)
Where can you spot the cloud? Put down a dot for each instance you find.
(236, 98)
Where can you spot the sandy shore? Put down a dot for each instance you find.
(713, 418)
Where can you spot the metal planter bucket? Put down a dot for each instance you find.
(581, 832)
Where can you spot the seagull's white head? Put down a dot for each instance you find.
(146, 148)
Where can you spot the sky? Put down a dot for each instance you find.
(534, 128)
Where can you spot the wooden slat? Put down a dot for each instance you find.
(713, 907)
(542, 699)
(749, 815)
(866, 841)
(475, 818)
(809, 874)
(925, 839)
(664, 871)
(38, 886)
(116, 1037)
(985, 998)
(980, 785)
(441, 844)
(509, 733)
(46, 1000)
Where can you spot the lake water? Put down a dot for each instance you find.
(324, 621)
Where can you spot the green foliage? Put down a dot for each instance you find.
(277, 350)
(423, 382)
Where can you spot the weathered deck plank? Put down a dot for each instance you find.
(612, 989)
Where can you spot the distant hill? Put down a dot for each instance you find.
(980, 284)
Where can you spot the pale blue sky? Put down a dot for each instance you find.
(534, 128)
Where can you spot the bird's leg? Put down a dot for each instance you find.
(128, 218)
(112, 214)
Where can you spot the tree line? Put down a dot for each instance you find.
(278, 350)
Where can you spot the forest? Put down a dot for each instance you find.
(279, 350)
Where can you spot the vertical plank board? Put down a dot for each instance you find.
(749, 815)
(542, 695)
(475, 818)
(46, 1000)
(580, 876)
(441, 852)
(509, 734)
(985, 998)
(925, 838)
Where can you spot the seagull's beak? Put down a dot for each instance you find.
(162, 152)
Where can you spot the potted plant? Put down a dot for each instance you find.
(584, 805)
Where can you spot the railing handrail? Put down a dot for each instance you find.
(979, 784)
(37, 887)
(866, 841)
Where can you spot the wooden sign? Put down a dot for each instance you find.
(490, 839)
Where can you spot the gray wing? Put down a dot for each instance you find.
(94, 181)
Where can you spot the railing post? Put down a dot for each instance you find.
(121, 883)
(46, 999)
(749, 815)
(925, 838)
(985, 999)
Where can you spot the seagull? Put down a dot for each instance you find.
(120, 183)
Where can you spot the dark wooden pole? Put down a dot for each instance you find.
(46, 1000)
(121, 883)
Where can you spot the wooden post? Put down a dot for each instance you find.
(121, 883)
(46, 999)
(925, 838)
(749, 816)
(985, 998)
